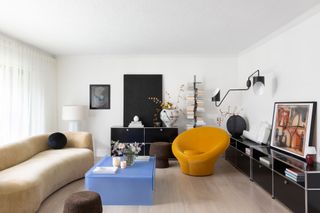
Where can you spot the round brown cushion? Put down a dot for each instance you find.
(83, 202)
(162, 152)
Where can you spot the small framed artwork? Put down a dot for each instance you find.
(99, 96)
(292, 126)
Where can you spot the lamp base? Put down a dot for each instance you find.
(310, 160)
(74, 126)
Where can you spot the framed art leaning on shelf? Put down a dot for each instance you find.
(292, 126)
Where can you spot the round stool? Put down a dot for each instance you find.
(162, 152)
(83, 202)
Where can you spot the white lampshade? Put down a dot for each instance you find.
(311, 150)
(258, 85)
(74, 113)
(216, 95)
(216, 91)
(258, 88)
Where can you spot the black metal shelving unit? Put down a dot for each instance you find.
(300, 196)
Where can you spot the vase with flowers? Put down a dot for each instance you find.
(129, 151)
(169, 112)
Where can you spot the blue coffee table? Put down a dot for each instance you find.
(131, 186)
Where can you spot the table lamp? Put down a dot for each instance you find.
(310, 154)
(74, 114)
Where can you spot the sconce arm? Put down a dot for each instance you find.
(257, 71)
(230, 90)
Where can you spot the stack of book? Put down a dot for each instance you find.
(195, 104)
(200, 109)
(200, 102)
(200, 121)
(294, 174)
(189, 126)
(190, 112)
(105, 170)
(265, 161)
(142, 158)
(190, 98)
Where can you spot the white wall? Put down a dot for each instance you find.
(290, 61)
(76, 73)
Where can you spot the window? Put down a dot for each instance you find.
(27, 84)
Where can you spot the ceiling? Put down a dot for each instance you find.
(68, 27)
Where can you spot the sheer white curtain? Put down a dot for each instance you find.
(27, 91)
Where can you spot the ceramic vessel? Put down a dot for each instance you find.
(169, 116)
(236, 125)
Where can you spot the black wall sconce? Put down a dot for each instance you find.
(258, 88)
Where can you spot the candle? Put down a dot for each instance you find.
(123, 164)
(116, 161)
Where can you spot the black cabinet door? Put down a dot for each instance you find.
(243, 163)
(262, 176)
(160, 134)
(231, 155)
(289, 194)
(146, 149)
(127, 135)
(147, 135)
(313, 201)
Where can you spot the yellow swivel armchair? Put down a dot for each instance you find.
(198, 149)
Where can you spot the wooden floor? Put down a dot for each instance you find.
(226, 191)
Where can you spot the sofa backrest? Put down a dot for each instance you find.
(15, 153)
(79, 140)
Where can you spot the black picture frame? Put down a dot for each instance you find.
(99, 96)
(286, 122)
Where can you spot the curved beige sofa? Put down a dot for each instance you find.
(30, 171)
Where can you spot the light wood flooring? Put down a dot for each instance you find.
(227, 191)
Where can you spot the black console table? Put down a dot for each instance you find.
(145, 135)
(298, 196)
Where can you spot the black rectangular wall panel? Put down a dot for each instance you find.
(137, 89)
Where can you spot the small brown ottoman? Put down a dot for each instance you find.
(83, 202)
(162, 152)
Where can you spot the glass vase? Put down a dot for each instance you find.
(129, 158)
